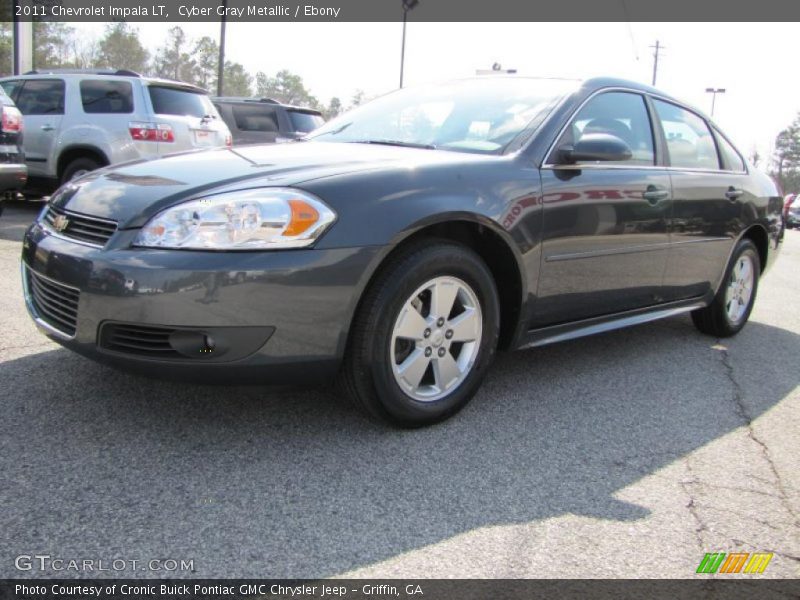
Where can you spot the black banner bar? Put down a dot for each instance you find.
(393, 10)
(746, 587)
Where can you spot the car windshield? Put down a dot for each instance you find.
(796, 202)
(476, 115)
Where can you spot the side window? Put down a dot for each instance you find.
(689, 141)
(41, 97)
(12, 87)
(621, 114)
(106, 96)
(731, 159)
(255, 118)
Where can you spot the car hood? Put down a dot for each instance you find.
(131, 193)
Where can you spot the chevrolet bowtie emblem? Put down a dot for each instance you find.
(60, 223)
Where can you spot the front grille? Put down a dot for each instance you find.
(143, 340)
(55, 303)
(89, 230)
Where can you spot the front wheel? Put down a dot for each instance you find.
(731, 307)
(424, 336)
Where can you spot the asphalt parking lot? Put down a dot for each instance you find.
(630, 454)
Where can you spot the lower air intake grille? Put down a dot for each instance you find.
(138, 339)
(55, 303)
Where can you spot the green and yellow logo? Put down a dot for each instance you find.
(735, 562)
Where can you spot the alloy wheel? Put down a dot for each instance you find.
(436, 338)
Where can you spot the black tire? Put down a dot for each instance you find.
(76, 167)
(367, 376)
(714, 319)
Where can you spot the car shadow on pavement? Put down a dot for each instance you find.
(16, 218)
(249, 481)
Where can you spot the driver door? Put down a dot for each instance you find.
(605, 236)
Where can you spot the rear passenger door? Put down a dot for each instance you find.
(41, 102)
(709, 191)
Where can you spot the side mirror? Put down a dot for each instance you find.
(594, 147)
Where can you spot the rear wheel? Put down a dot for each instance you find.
(424, 336)
(78, 168)
(731, 307)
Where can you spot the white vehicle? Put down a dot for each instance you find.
(77, 121)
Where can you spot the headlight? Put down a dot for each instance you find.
(248, 220)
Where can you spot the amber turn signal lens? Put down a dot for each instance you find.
(303, 216)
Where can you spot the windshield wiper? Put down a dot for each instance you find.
(394, 143)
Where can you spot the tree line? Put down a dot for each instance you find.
(59, 46)
(786, 157)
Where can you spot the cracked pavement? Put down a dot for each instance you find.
(629, 454)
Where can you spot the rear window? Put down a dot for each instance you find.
(731, 158)
(174, 101)
(106, 96)
(255, 117)
(305, 122)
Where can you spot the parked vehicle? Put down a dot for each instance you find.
(793, 214)
(408, 240)
(788, 199)
(77, 121)
(264, 121)
(13, 172)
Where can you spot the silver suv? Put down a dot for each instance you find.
(78, 121)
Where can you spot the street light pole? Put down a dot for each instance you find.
(407, 6)
(714, 92)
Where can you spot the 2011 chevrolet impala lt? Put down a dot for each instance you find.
(403, 243)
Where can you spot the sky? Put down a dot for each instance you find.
(754, 62)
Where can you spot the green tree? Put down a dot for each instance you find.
(6, 44)
(285, 87)
(237, 81)
(359, 97)
(120, 48)
(53, 45)
(334, 109)
(786, 157)
(206, 55)
(173, 60)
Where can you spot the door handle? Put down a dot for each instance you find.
(654, 195)
(47, 127)
(732, 193)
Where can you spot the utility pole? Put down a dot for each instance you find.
(221, 60)
(658, 47)
(407, 6)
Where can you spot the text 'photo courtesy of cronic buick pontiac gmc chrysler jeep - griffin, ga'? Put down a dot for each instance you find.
(398, 247)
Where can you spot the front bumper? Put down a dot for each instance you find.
(275, 317)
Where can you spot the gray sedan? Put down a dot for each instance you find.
(400, 246)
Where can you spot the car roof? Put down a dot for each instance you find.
(263, 101)
(110, 73)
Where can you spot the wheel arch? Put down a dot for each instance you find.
(76, 151)
(756, 233)
(481, 235)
